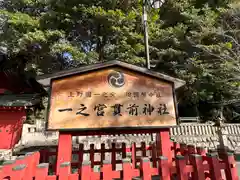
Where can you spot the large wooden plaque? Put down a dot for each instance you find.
(110, 98)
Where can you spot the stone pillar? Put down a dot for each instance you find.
(223, 147)
(222, 136)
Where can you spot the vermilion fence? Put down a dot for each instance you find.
(121, 150)
(188, 163)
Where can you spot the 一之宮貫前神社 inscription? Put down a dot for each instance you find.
(118, 109)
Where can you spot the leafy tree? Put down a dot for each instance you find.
(195, 45)
(52, 35)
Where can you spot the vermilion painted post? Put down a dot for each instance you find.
(190, 150)
(41, 171)
(163, 168)
(214, 166)
(36, 157)
(113, 157)
(18, 172)
(231, 168)
(64, 153)
(64, 171)
(133, 149)
(182, 174)
(127, 169)
(32, 160)
(164, 144)
(107, 170)
(197, 163)
(146, 170)
(86, 171)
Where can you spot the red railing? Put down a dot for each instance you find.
(188, 163)
(116, 149)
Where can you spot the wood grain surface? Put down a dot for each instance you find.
(89, 101)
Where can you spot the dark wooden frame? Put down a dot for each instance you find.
(107, 65)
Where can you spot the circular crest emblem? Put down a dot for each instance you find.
(116, 79)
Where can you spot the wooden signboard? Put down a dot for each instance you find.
(112, 97)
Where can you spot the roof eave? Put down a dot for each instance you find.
(46, 79)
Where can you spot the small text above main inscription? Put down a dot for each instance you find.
(89, 94)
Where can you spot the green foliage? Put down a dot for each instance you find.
(197, 47)
(90, 31)
(197, 41)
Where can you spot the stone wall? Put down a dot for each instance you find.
(208, 136)
(205, 135)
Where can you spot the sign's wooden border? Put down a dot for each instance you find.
(117, 64)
